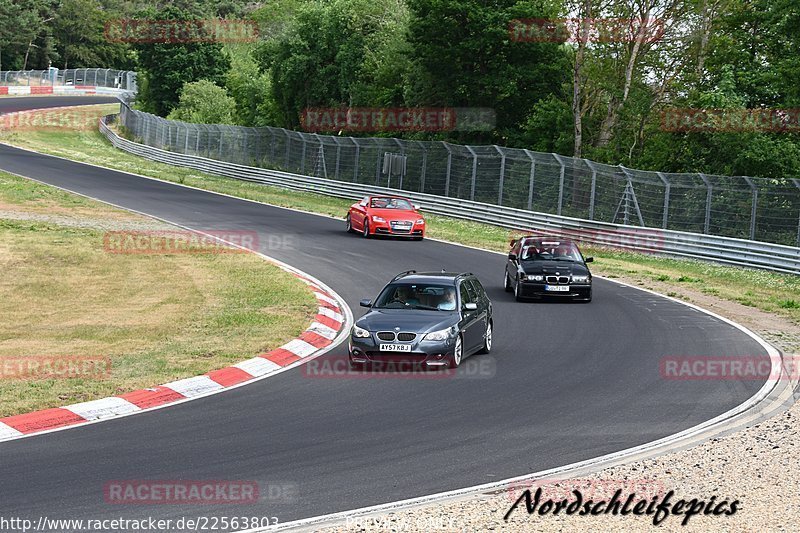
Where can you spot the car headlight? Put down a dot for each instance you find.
(421, 221)
(534, 277)
(441, 335)
(360, 332)
(580, 279)
(377, 219)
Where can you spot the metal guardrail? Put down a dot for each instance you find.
(738, 252)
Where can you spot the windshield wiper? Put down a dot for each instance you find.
(564, 259)
(427, 307)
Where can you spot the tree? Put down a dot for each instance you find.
(203, 102)
(463, 56)
(18, 23)
(342, 53)
(166, 67)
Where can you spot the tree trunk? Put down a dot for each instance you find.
(615, 105)
(27, 52)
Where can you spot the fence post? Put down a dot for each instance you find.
(358, 156)
(338, 156)
(502, 175)
(449, 165)
(560, 183)
(593, 188)
(474, 172)
(402, 152)
(797, 184)
(707, 223)
(197, 141)
(753, 207)
(424, 166)
(303, 155)
(667, 187)
(288, 147)
(186, 138)
(531, 179)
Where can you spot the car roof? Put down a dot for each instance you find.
(430, 277)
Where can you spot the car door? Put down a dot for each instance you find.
(469, 318)
(359, 213)
(475, 289)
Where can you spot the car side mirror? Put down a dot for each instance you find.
(512, 256)
(417, 207)
(365, 303)
(471, 306)
(589, 260)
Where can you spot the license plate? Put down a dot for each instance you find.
(557, 288)
(395, 347)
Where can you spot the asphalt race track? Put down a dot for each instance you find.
(565, 382)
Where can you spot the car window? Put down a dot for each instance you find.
(433, 297)
(390, 203)
(465, 295)
(473, 294)
(542, 250)
(479, 290)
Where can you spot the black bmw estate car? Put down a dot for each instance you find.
(538, 267)
(435, 319)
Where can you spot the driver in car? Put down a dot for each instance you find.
(449, 302)
(405, 296)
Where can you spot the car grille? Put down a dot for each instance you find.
(406, 337)
(563, 280)
(386, 335)
(401, 226)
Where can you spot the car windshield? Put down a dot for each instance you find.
(550, 251)
(390, 203)
(417, 296)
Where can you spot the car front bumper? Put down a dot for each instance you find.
(385, 228)
(537, 289)
(365, 350)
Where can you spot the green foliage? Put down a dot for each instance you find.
(203, 102)
(462, 55)
(167, 66)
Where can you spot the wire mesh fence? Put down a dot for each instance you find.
(97, 77)
(731, 206)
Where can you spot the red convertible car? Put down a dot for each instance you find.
(386, 215)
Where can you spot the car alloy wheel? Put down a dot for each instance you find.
(366, 229)
(487, 338)
(458, 353)
(348, 224)
(506, 284)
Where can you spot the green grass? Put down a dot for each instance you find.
(768, 291)
(156, 317)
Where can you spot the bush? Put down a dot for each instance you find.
(203, 102)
